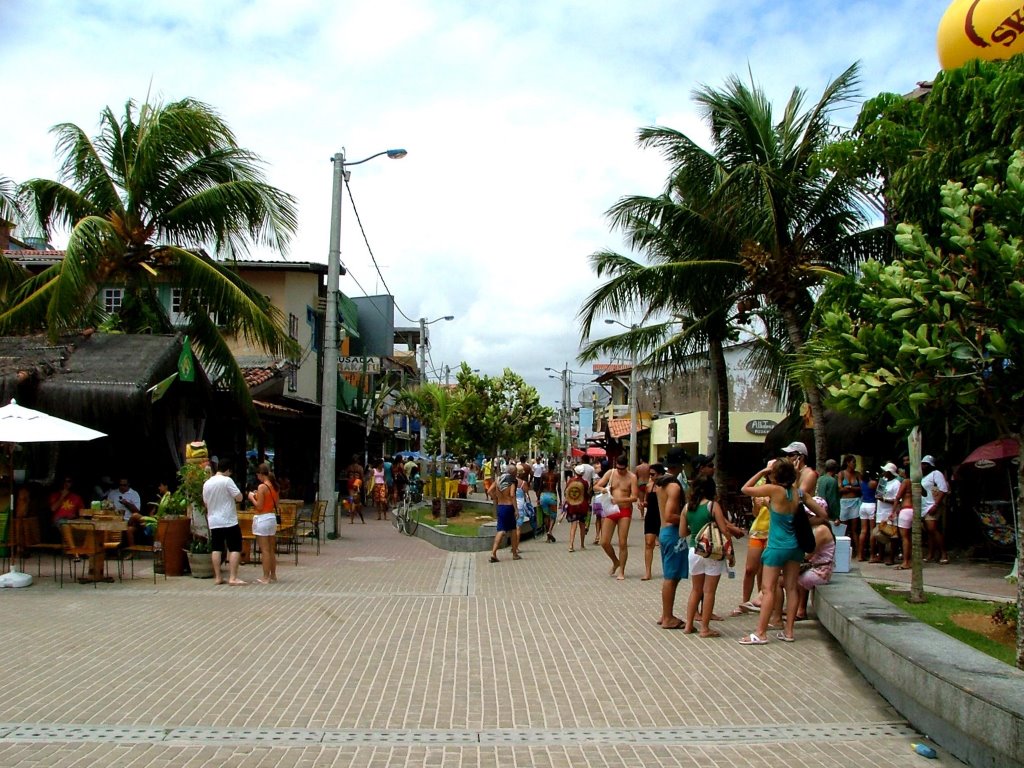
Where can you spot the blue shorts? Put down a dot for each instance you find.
(506, 517)
(675, 565)
(775, 557)
(549, 503)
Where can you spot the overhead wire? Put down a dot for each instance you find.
(373, 258)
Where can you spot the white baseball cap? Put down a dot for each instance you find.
(929, 459)
(796, 447)
(890, 468)
(581, 469)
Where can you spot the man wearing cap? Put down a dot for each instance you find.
(933, 493)
(703, 466)
(674, 462)
(807, 478)
(675, 564)
(622, 484)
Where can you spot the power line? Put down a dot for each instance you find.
(372, 257)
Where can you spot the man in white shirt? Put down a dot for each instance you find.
(128, 503)
(933, 489)
(220, 494)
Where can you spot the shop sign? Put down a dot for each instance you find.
(760, 427)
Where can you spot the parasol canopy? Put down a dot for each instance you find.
(596, 452)
(985, 456)
(24, 425)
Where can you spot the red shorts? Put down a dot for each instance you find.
(625, 512)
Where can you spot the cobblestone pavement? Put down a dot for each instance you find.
(386, 651)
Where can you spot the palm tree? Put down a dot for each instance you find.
(437, 407)
(685, 294)
(144, 201)
(797, 223)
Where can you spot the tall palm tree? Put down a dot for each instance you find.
(146, 201)
(686, 305)
(438, 407)
(797, 223)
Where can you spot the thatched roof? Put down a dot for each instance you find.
(95, 379)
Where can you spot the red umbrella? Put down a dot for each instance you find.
(985, 455)
(597, 452)
(577, 453)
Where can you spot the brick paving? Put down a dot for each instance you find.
(386, 651)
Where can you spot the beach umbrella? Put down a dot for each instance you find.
(24, 425)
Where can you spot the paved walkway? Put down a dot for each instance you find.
(386, 651)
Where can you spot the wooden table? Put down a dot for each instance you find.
(98, 527)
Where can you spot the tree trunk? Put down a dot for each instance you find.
(810, 387)
(916, 561)
(444, 483)
(720, 375)
(1020, 553)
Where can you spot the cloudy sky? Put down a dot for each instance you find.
(520, 120)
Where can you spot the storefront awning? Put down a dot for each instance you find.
(618, 428)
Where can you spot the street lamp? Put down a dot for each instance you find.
(423, 363)
(632, 394)
(329, 380)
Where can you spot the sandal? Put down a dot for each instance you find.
(753, 639)
(493, 559)
(750, 607)
(736, 612)
(944, 561)
(781, 636)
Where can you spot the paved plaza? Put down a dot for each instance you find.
(386, 651)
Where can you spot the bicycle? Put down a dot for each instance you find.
(404, 520)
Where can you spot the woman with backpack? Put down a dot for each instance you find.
(705, 571)
(576, 506)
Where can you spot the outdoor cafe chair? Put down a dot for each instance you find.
(156, 549)
(80, 542)
(29, 541)
(286, 530)
(312, 526)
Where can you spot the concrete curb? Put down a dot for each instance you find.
(479, 543)
(969, 703)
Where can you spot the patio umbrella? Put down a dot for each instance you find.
(24, 425)
(596, 452)
(984, 456)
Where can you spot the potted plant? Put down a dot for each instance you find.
(199, 563)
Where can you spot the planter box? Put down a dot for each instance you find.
(200, 564)
(174, 533)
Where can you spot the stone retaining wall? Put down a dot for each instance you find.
(966, 701)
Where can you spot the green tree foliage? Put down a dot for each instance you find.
(940, 330)
(145, 200)
(439, 408)
(504, 412)
(968, 126)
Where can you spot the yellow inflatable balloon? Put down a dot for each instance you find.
(980, 29)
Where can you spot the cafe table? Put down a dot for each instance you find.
(95, 539)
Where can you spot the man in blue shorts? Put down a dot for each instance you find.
(675, 563)
(504, 494)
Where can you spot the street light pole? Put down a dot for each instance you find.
(329, 377)
(423, 365)
(632, 396)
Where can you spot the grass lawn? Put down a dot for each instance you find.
(969, 621)
(464, 525)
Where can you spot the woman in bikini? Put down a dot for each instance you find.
(783, 556)
(705, 573)
(264, 522)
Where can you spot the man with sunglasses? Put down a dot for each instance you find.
(807, 477)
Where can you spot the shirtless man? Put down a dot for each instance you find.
(503, 491)
(622, 485)
(674, 558)
(807, 476)
(643, 476)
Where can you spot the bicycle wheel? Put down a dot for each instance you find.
(411, 523)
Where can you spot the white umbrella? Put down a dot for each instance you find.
(24, 425)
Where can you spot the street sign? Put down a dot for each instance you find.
(359, 364)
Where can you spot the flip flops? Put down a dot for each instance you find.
(753, 639)
(749, 607)
(781, 636)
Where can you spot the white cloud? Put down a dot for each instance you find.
(520, 120)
